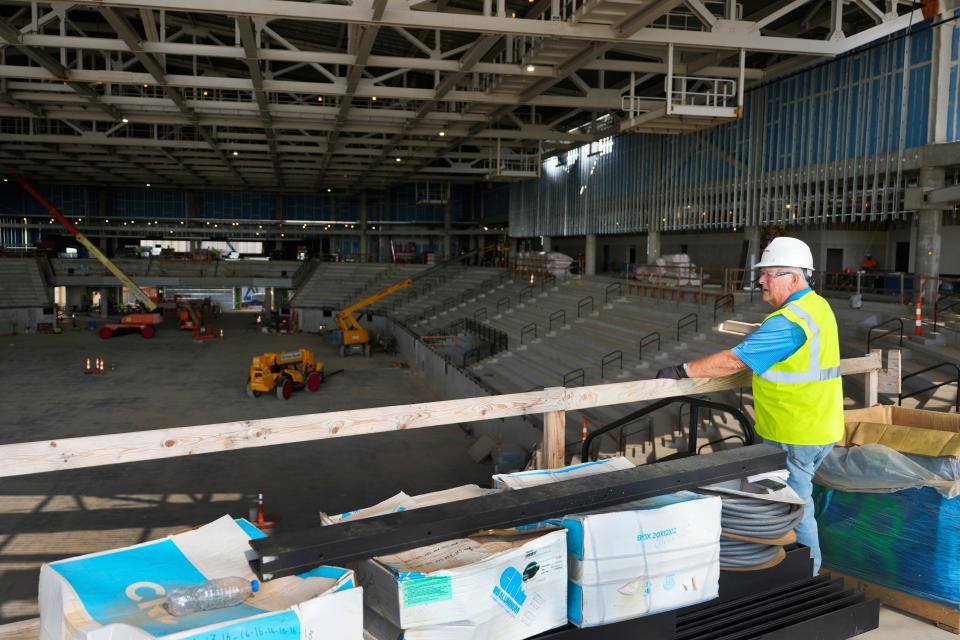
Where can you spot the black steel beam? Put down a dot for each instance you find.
(296, 551)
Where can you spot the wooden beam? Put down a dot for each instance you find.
(554, 429)
(92, 451)
(871, 383)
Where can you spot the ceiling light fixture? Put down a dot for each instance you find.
(205, 93)
(373, 98)
(319, 98)
(443, 133)
(399, 160)
(148, 184)
(124, 120)
(531, 68)
(236, 153)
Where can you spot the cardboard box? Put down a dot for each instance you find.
(643, 557)
(491, 587)
(926, 433)
(119, 594)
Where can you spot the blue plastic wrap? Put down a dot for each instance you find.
(908, 540)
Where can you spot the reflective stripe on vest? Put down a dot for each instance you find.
(813, 373)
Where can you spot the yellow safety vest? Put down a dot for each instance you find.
(800, 400)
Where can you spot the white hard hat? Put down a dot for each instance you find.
(786, 252)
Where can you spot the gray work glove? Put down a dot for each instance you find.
(676, 372)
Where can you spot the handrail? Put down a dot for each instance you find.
(606, 292)
(885, 334)
(527, 289)
(572, 376)
(480, 314)
(583, 302)
(449, 303)
(695, 405)
(552, 279)
(527, 329)
(25, 458)
(720, 302)
(647, 339)
(558, 314)
(503, 303)
(686, 321)
(610, 358)
(937, 310)
(497, 339)
(460, 324)
(933, 386)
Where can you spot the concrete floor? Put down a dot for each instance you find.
(171, 381)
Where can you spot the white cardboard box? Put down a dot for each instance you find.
(497, 587)
(119, 594)
(642, 557)
(494, 587)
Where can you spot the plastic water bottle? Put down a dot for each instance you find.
(212, 594)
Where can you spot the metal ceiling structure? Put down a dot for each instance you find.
(362, 94)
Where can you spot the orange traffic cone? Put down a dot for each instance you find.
(918, 327)
(583, 431)
(87, 369)
(221, 334)
(101, 369)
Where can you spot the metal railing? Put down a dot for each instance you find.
(695, 405)
(955, 381)
(449, 303)
(583, 302)
(525, 290)
(606, 292)
(503, 303)
(480, 314)
(870, 337)
(939, 308)
(498, 340)
(610, 358)
(560, 315)
(721, 302)
(527, 330)
(650, 338)
(570, 377)
(686, 321)
(547, 279)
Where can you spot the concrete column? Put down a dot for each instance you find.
(104, 302)
(447, 224)
(929, 224)
(382, 251)
(752, 237)
(547, 243)
(591, 255)
(363, 226)
(653, 246)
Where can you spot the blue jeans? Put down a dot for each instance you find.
(802, 463)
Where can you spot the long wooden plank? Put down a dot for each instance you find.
(23, 630)
(644, 390)
(91, 451)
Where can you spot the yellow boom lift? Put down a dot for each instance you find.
(356, 339)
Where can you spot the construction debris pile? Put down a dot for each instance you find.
(552, 262)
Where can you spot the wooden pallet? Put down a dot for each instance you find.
(941, 615)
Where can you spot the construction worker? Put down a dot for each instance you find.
(868, 264)
(795, 358)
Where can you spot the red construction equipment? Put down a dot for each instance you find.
(144, 323)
